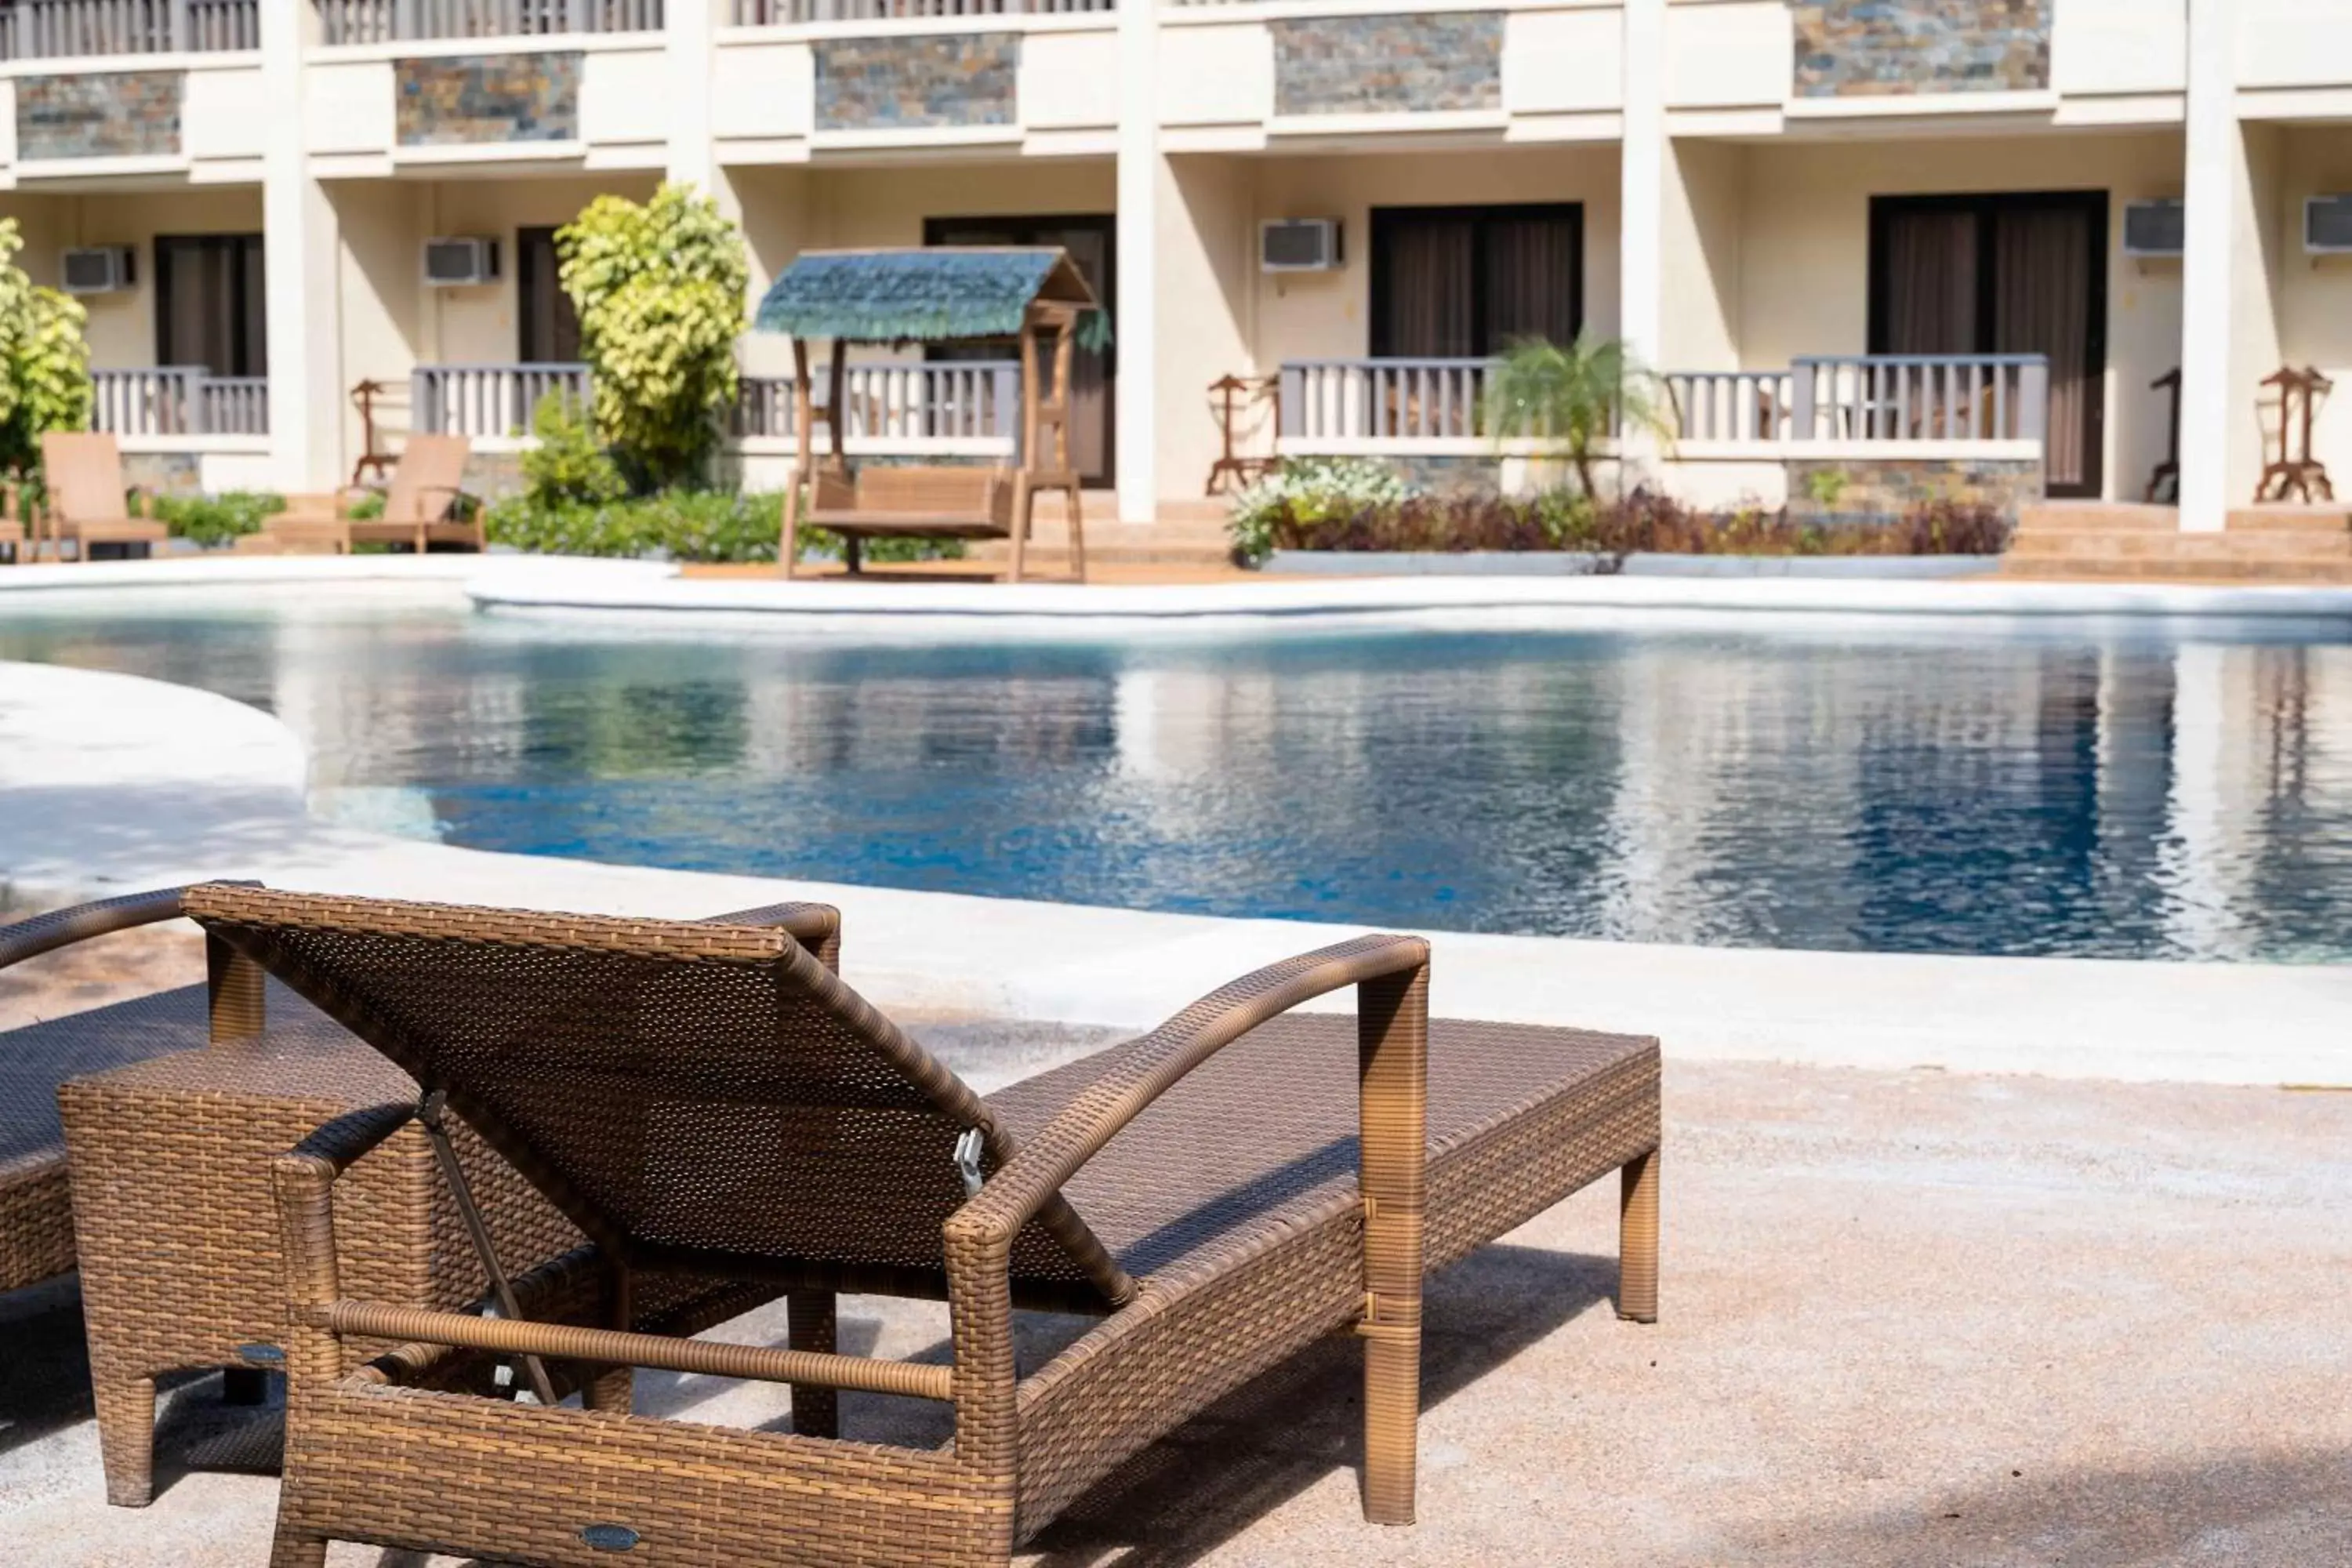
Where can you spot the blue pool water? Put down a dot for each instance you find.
(1930, 787)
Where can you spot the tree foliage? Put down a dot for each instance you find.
(567, 465)
(1572, 399)
(659, 288)
(44, 359)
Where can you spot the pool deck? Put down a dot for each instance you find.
(1918, 1306)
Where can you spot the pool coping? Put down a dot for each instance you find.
(562, 586)
(111, 782)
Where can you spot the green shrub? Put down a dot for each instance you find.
(567, 467)
(44, 361)
(1309, 493)
(659, 288)
(366, 508)
(215, 520)
(826, 546)
(684, 525)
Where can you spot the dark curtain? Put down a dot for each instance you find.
(547, 323)
(1427, 289)
(209, 311)
(2041, 304)
(1530, 267)
(1931, 283)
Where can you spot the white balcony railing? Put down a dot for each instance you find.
(488, 402)
(178, 400)
(904, 405)
(62, 30)
(791, 13)
(390, 21)
(1374, 401)
(1434, 405)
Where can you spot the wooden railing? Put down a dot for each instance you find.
(178, 400)
(1729, 405)
(1383, 399)
(388, 21)
(63, 30)
(487, 400)
(951, 400)
(791, 13)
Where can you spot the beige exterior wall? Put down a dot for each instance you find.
(1803, 253)
(122, 326)
(1326, 315)
(2315, 299)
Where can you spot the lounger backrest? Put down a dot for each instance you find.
(694, 1096)
(426, 480)
(934, 489)
(83, 474)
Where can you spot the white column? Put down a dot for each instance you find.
(1640, 293)
(1134, 440)
(687, 41)
(2210, 193)
(299, 256)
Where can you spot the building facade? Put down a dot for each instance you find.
(1882, 248)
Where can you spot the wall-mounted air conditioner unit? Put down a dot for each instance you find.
(97, 269)
(460, 262)
(2327, 226)
(1299, 245)
(2154, 229)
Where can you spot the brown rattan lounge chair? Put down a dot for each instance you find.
(88, 501)
(714, 1101)
(135, 1141)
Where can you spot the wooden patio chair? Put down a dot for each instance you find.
(88, 501)
(135, 1142)
(427, 485)
(714, 1101)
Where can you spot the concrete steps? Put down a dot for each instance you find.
(2108, 541)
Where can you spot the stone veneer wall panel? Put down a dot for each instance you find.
(942, 79)
(473, 100)
(125, 115)
(1878, 488)
(1388, 64)
(1864, 49)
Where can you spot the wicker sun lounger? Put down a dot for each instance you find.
(135, 1142)
(707, 1100)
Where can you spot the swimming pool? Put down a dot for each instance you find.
(2115, 789)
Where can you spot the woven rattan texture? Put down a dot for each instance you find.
(35, 1216)
(179, 1256)
(689, 1092)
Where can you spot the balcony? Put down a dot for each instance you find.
(962, 409)
(1827, 406)
(397, 21)
(799, 13)
(178, 405)
(68, 29)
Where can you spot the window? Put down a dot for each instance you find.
(1467, 282)
(209, 303)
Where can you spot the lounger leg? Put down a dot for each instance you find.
(614, 1387)
(291, 1549)
(126, 1436)
(809, 1326)
(1637, 1239)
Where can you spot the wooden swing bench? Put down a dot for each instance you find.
(921, 296)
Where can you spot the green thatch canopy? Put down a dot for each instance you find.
(925, 295)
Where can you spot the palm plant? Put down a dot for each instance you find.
(1573, 398)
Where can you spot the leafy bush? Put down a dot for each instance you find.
(44, 361)
(1307, 494)
(215, 520)
(684, 525)
(567, 467)
(366, 508)
(825, 544)
(659, 288)
(1565, 521)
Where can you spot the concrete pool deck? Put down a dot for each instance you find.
(1913, 1311)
